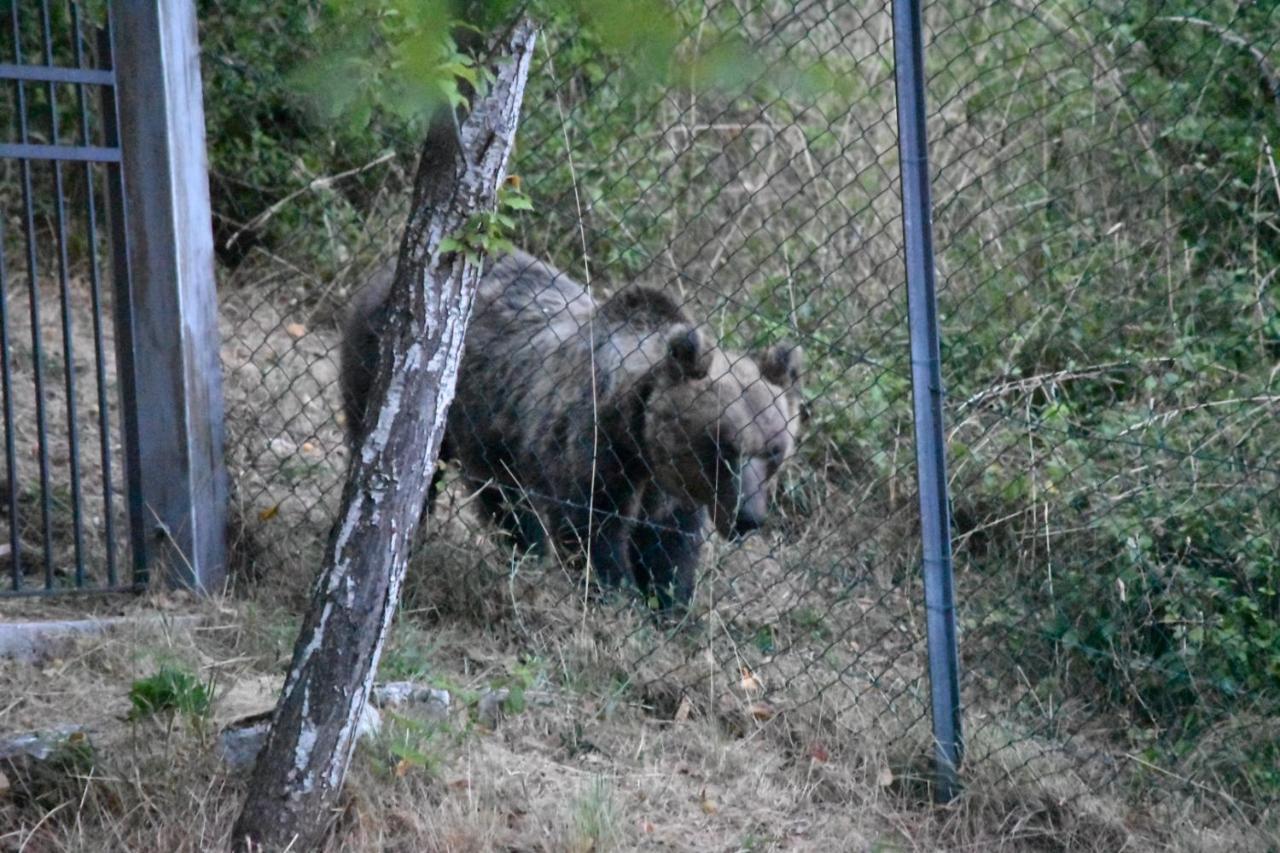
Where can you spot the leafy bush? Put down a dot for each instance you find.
(267, 142)
(171, 691)
(1110, 350)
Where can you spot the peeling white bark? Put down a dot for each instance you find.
(299, 773)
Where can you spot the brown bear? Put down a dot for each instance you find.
(613, 429)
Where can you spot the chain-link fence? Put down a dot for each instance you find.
(1107, 215)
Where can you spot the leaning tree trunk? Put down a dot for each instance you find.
(300, 771)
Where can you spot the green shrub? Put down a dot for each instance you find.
(171, 691)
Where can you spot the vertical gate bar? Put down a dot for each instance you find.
(95, 298)
(33, 289)
(926, 388)
(178, 369)
(64, 288)
(10, 452)
(122, 301)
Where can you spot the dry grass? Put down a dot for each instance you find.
(626, 740)
(791, 712)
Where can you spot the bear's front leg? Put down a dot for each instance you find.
(610, 560)
(664, 555)
(501, 507)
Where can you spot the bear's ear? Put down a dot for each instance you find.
(782, 364)
(688, 356)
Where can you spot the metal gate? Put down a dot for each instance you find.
(112, 418)
(64, 497)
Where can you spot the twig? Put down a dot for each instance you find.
(1270, 77)
(1208, 789)
(163, 530)
(1181, 410)
(1031, 382)
(315, 184)
(47, 816)
(722, 127)
(1271, 163)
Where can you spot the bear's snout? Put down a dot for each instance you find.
(743, 502)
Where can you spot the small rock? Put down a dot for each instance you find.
(37, 745)
(240, 742)
(324, 371)
(239, 746)
(432, 702)
(489, 708)
(370, 722)
(282, 447)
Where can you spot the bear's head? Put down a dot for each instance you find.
(720, 424)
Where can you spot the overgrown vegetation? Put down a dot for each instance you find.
(1108, 218)
(1112, 353)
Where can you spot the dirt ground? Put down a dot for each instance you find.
(789, 713)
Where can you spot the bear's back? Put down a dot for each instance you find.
(544, 360)
(533, 316)
(519, 293)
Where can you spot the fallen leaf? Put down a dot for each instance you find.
(513, 181)
(403, 766)
(708, 806)
(762, 711)
(295, 330)
(460, 784)
(647, 827)
(885, 777)
(750, 682)
(684, 710)
(309, 448)
(269, 513)
(818, 752)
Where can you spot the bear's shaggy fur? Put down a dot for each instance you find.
(612, 428)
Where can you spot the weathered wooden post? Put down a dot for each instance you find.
(167, 318)
(302, 766)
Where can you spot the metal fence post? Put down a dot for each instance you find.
(172, 301)
(926, 385)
